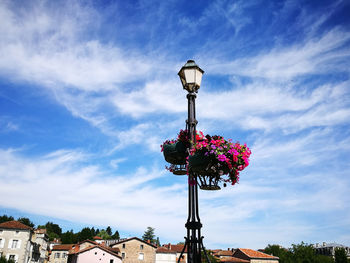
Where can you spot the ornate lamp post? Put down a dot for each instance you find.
(191, 77)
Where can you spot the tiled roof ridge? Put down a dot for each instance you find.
(131, 238)
(174, 248)
(15, 225)
(98, 246)
(233, 259)
(63, 247)
(255, 254)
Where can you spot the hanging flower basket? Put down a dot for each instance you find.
(215, 159)
(212, 159)
(175, 153)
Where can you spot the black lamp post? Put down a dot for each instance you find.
(191, 76)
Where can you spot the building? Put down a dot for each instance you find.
(54, 242)
(98, 240)
(221, 254)
(59, 253)
(170, 254)
(233, 260)
(16, 242)
(135, 250)
(328, 249)
(254, 256)
(94, 254)
(41, 238)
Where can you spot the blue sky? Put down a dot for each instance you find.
(89, 90)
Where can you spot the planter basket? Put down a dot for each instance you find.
(179, 169)
(175, 153)
(206, 172)
(199, 163)
(208, 182)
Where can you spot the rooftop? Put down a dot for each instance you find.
(15, 225)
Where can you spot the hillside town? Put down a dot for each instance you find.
(21, 243)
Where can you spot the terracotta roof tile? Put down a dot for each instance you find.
(256, 254)
(15, 225)
(233, 260)
(224, 253)
(175, 248)
(109, 250)
(63, 247)
(97, 238)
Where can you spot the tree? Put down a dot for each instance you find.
(109, 230)
(53, 228)
(69, 238)
(85, 234)
(26, 221)
(340, 255)
(323, 259)
(149, 235)
(116, 235)
(210, 256)
(303, 253)
(104, 235)
(284, 255)
(6, 218)
(4, 260)
(93, 231)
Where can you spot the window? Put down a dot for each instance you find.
(123, 255)
(111, 261)
(2, 242)
(17, 232)
(140, 256)
(12, 257)
(64, 255)
(57, 255)
(123, 245)
(141, 247)
(14, 243)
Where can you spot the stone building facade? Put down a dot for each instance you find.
(16, 241)
(135, 250)
(59, 253)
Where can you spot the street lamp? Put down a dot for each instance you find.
(191, 76)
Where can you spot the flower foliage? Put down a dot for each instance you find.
(183, 137)
(226, 157)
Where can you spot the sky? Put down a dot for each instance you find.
(89, 91)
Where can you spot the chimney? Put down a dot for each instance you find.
(148, 241)
(169, 246)
(324, 244)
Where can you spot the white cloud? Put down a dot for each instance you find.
(119, 200)
(314, 56)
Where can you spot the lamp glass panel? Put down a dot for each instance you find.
(199, 75)
(190, 75)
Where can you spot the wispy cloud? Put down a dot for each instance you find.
(276, 76)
